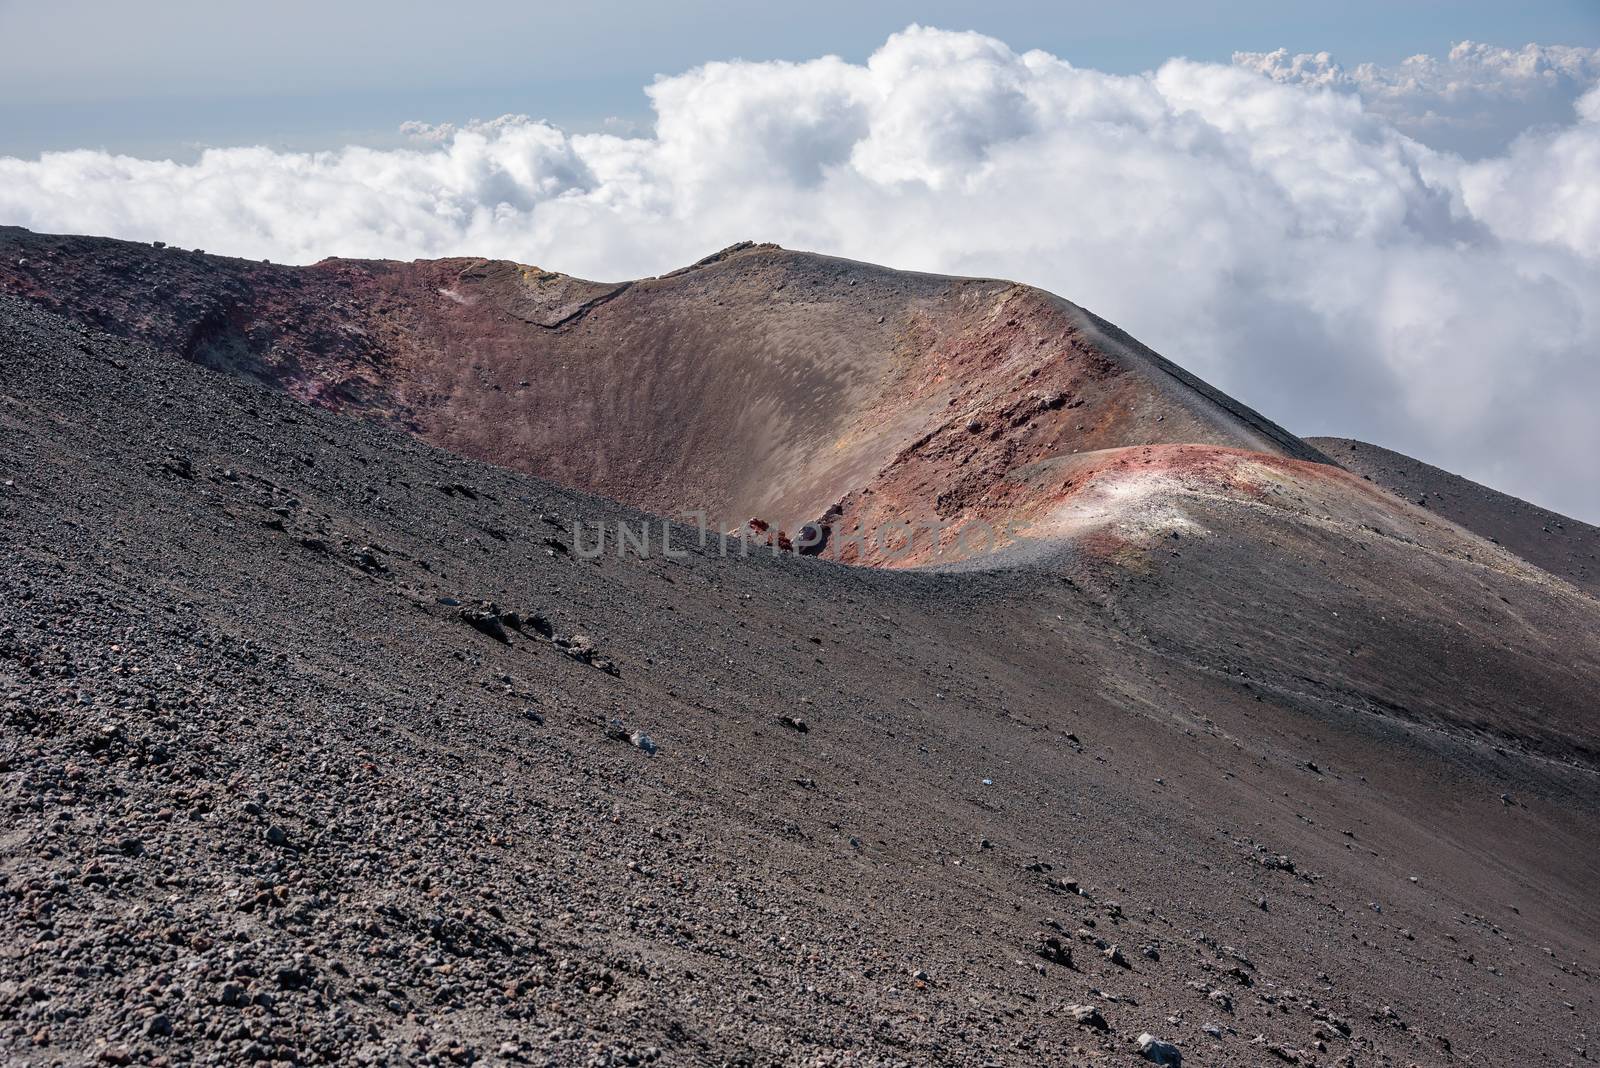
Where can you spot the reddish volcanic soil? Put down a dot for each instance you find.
(325, 743)
(759, 383)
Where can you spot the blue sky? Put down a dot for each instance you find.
(160, 79)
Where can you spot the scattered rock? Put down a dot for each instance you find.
(289, 978)
(1156, 1051)
(1088, 1016)
(1277, 1049)
(1052, 949)
(486, 620)
(583, 650)
(636, 738)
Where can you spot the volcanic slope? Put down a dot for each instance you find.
(1565, 547)
(759, 383)
(925, 420)
(279, 786)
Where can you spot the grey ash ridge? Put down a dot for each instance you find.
(1565, 547)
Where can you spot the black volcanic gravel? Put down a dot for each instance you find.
(276, 790)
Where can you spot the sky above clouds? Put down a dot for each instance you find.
(163, 79)
(1404, 249)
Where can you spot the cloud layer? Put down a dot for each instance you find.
(1474, 101)
(1276, 225)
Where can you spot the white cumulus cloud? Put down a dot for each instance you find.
(1278, 225)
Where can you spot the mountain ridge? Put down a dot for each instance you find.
(787, 384)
